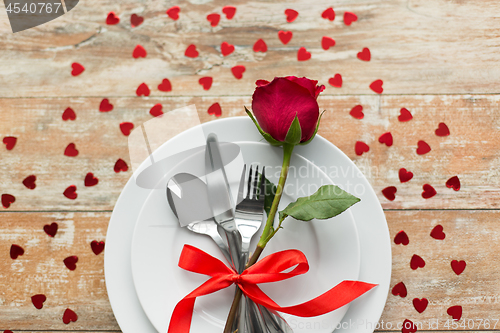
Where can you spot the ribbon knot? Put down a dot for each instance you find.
(235, 278)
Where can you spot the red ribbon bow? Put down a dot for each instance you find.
(266, 270)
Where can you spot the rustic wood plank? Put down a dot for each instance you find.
(411, 44)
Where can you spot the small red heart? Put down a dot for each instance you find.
(69, 316)
(428, 192)
(70, 192)
(213, 19)
(156, 110)
(29, 182)
(105, 106)
(143, 90)
(260, 46)
(238, 71)
(71, 150)
(357, 112)
(139, 52)
(90, 180)
(361, 148)
(206, 82)
(38, 300)
(191, 51)
(136, 20)
(376, 86)
(173, 12)
(408, 327)
(404, 175)
(68, 114)
(437, 232)
(401, 238)
(417, 262)
(291, 15)
(327, 42)
(285, 36)
(400, 290)
(336, 81)
(390, 192)
(364, 55)
(8, 331)
(349, 18)
(442, 130)
(112, 19)
(458, 266)
(215, 109)
(229, 11)
(165, 85)
(9, 142)
(453, 183)
(423, 148)
(120, 165)
(404, 115)
(303, 55)
(126, 127)
(70, 262)
(77, 69)
(16, 251)
(51, 229)
(7, 200)
(97, 247)
(455, 312)
(386, 138)
(420, 304)
(226, 48)
(329, 14)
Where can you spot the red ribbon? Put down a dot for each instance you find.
(266, 270)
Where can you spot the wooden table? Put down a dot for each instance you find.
(438, 59)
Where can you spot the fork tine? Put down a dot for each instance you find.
(255, 180)
(262, 191)
(241, 189)
(249, 182)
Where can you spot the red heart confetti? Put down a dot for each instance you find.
(303, 55)
(213, 19)
(420, 304)
(238, 71)
(229, 11)
(29, 182)
(139, 52)
(329, 14)
(442, 130)
(126, 128)
(156, 110)
(16, 251)
(7, 200)
(376, 86)
(191, 51)
(69, 316)
(364, 55)
(77, 69)
(386, 138)
(357, 112)
(404, 115)
(291, 15)
(90, 180)
(400, 290)
(143, 90)
(428, 192)
(327, 42)
(215, 109)
(260, 46)
(71, 150)
(408, 327)
(105, 106)
(404, 175)
(97, 247)
(401, 238)
(226, 48)
(9, 142)
(423, 148)
(8, 331)
(417, 262)
(70, 192)
(70, 262)
(455, 312)
(136, 20)
(51, 229)
(453, 183)
(437, 232)
(390, 192)
(361, 148)
(285, 36)
(206, 82)
(458, 266)
(165, 86)
(120, 165)
(38, 300)
(349, 18)
(173, 12)
(336, 81)
(68, 114)
(112, 19)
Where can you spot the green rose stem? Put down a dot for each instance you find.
(267, 233)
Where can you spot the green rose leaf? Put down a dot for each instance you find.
(294, 134)
(327, 202)
(270, 191)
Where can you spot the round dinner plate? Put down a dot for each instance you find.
(373, 235)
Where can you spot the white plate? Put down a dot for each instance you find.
(331, 247)
(375, 266)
